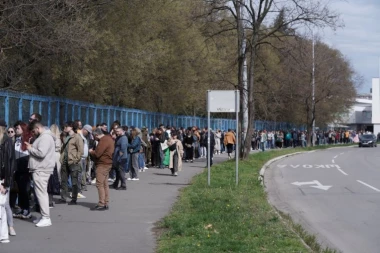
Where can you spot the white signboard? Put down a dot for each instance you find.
(222, 101)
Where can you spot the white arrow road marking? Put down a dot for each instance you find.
(281, 165)
(370, 186)
(335, 156)
(344, 173)
(318, 185)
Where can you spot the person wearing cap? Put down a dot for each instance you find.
(103, 162)
(71, 155)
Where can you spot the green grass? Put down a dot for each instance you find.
(224, 217)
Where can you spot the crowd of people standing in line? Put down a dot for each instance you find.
(38, 162)
(263, 140)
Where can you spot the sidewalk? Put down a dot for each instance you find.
(125, 228)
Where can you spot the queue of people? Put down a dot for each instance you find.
(263, 140)
(38, 162)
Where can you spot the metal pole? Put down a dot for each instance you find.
(313, 91)
(208, 139)
(208, 148)
(237, 136)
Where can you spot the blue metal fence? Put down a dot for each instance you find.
(54, 110)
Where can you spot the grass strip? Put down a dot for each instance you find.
(224, 217)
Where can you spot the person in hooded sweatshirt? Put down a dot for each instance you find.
(41, 166)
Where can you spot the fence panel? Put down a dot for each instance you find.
(18, 106)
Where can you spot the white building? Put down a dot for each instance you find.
(359, 116)
(376, 105)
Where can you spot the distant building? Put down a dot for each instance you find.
(376, 105)
(359, 116)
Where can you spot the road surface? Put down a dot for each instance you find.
(334, 194)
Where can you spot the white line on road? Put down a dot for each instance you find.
(370, 186)
(344, 173)
(333, 161)
(335, 156)
(341, 153)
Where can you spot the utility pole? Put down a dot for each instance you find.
(313, 92)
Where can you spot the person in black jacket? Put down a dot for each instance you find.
(188, 141)
(7, 168)
(212, 144)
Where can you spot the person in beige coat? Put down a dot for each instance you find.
(176, 153)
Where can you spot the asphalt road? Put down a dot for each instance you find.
(125, 228)
(334, 194)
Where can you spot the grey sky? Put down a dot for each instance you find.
(359, 40)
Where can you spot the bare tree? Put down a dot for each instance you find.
(334, 78)
(257, 26)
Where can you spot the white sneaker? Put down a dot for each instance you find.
(129, 179)
(111, 180)
(4, 241)
(175, 174)
(135, 179)
(12, 231)
(93, 181)
(145, 168)
(44, 222)
(81, 196)
(37, 220)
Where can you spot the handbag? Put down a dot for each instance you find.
(173, 147)
(164, 145)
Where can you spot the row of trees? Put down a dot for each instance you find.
(162, 55)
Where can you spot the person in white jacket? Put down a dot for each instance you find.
(41, 166)
(4, 237)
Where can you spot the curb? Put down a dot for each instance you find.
(266, 165)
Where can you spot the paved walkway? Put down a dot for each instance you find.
(125, 228)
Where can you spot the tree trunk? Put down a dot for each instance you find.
(251, 105)
(241, 60)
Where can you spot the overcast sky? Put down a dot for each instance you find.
(359, 40)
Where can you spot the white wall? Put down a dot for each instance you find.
(376, 105)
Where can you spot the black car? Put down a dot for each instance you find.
(368, 140)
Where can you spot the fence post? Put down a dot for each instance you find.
(6, 105)
(49, 113)
(20, 109)
(31, 107)
(58, 113)
(108, 117)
